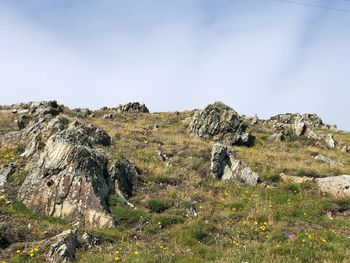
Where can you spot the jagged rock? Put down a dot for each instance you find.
(22, 121)
(6, 171)
(62, 247)
(328, 160)
(218, 121)
(133, 107)
(227, 167)
(43, 108)
(337, 186)
(82, 113)
(330, 142)
(278, 137)
(311, 120)
(123, 175)
(162, 156)
(254, 120)
(69, 179)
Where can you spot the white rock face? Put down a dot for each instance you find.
(337, 186)
(227, 167)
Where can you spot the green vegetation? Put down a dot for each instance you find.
(282, 223)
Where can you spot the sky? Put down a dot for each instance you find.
(259, 56)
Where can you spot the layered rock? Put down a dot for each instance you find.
(218, 121)
(133, 107)
(226, 166)
(62, 247)
(123, 177)
(70, 178)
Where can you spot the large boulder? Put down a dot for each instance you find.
(218, 121)
(69, 180)
(133, 107)
(226, 166)
(337, 186)
(330, 141)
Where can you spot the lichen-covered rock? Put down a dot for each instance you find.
(278, 137)
(218, 121)
(62, 247)
(123, 176)
(227, 167)
(133, 107)
(337, 186)
(70, 179)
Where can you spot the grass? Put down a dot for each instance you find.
(283, 223)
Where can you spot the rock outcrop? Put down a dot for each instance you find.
(133, 107)
(69, 180)
(218, 121)
(337, 186)
(227, 167)
(62, 247)
(4, 173)
(123, 176)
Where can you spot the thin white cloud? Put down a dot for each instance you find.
(259, 58)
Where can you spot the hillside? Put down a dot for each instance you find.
(135, 186)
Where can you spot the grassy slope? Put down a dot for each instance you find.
(234, 224)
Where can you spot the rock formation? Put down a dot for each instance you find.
(62, 247)
(70, 178)
(218, 121)
(133, 107)
(227, 167)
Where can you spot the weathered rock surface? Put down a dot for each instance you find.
(133, 107)
(4, 173)
(123, 176)
(337, 186)
(330, 141)
(218, 121)
(62, 247)
(70, 178)
(227, 167)
(328, 160)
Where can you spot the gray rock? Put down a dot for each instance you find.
(337, 186)
(227, 167)
(328, 160)
(330, 142)
(218, 121)
(63, 247)
(299, 127)
(69, 179)
(123, 176)
(278, 137)
(108, 116)
(22, 121)
(6, 171)
(345, 149)
(133, 107)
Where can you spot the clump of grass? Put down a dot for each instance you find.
(127, 214)
(167, 220)
(157, 205)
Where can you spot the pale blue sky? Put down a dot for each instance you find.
(258, 56)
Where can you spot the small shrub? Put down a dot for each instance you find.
(293, 188)
(127, 214)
